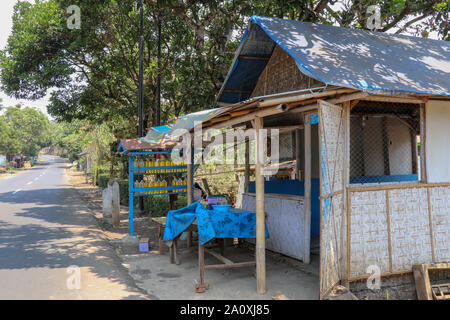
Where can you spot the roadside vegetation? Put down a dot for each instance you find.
(92, 72)
(23, 131)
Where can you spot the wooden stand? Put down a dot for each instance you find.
(426, 291)
(227, 263)
(173, 244)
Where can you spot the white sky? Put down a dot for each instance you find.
(6, 12)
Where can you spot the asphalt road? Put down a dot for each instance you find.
(50, 246)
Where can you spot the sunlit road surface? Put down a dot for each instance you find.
(50, 246)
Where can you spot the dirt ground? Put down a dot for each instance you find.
(153, 272)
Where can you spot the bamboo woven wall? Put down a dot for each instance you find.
(333, 222)
(397, 227)
(281, 75)
(369, 234)
(440, 208)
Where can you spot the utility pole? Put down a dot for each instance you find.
(158, 101)
(141, 70)
(141, 84)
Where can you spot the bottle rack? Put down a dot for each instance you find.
(158, 176)
(147, 166)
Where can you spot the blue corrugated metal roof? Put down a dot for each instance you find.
(370, 61)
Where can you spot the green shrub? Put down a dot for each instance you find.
(157, 205)
(123, 187)
(103, 180)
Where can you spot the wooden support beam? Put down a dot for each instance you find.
(220, 119)
(299, 150)
(254, 58)
(226, 266)
(218, 256)
(286, 128)
(422, 280)
(201, 266)
(381, 98)
(261, 113)
(307, 187)
(190, 178)
(260, 210)
(304, 96)
(247, 165)
(423, 137)
(354, 103)
(348, 97)
(346, 181)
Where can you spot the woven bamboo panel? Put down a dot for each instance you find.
(285, 221)
(332, 249)
(333, 140)
(410, 228)
(282, 74)
(333, 229)
(440, 213)
(369, 232)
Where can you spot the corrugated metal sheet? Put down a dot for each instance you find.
(370, 61)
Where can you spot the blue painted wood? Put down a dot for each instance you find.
(159, 194)
(159, 168)
(296, 188)
(158, 188)
(130, 195)
(380, 179)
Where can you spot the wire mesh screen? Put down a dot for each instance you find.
(384, 142)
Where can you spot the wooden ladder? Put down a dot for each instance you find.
(441, 291)
(426, 291)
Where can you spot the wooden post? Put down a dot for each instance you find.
(190, 188)
(160, 238)
(260, 210)
(307, 182)
(201, 263)
(247, 165)
(298, 156)
(423, 163)
(422, 280)
(346, 184)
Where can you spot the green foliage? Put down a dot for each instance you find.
(23, 131)
(158, 205)
(103, 180)
(95, 69)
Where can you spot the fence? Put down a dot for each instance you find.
(384, 142)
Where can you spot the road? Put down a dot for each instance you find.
(50, 246)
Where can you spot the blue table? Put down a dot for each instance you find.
(211, 224)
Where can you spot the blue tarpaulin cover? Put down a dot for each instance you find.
(211, 224)
(376, 62)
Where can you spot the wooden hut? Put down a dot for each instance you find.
(367, 117)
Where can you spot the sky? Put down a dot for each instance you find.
(6, 12)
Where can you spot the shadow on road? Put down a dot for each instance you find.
(52, 228)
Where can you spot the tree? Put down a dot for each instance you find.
(95, 69)
(23, 131)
